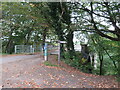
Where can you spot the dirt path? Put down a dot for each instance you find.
(32, 73)
(13, 58)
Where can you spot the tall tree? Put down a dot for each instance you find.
(100, 16)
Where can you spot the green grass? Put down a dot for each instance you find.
(47, 63)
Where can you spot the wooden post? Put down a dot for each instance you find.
(59, 49)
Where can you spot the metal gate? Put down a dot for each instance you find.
(27, 48)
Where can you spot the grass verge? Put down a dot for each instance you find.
(47, 63)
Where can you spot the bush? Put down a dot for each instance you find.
(81, 63)
(77, 62)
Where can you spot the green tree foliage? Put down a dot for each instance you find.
(59, 17)
(98, 17)
(98, 22)
(22, 24)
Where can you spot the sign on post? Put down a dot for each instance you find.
(45, 52)
(59, 53)
(62, 42)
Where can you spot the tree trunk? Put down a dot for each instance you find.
(7, 48)
(101, 63)
(70, 44)
(93, 60)
(101, 67)
(28, 37)
(10, 47)
(44, 37)
(29, 33)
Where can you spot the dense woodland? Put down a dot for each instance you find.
(26, 23)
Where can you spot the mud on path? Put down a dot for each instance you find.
(32, 73)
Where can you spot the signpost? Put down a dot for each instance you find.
(45, 52)
(59, 49)
(59, 53)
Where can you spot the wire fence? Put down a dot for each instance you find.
(27, 48)
(32, 48)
